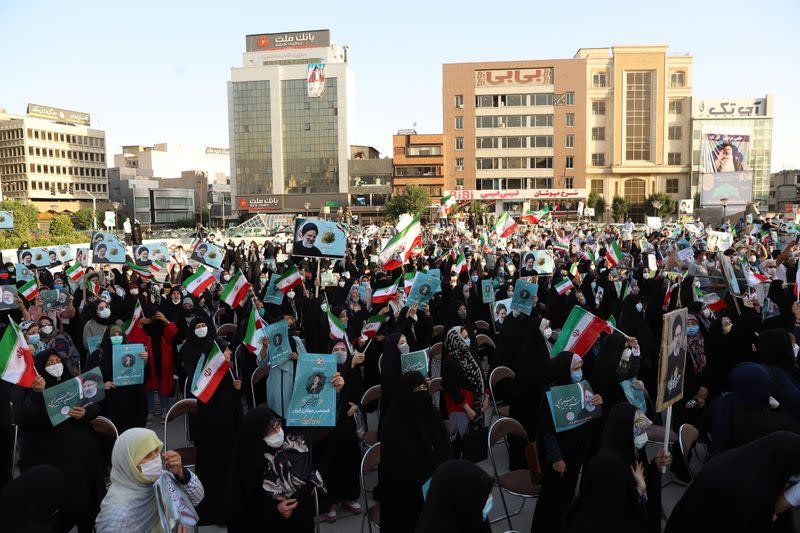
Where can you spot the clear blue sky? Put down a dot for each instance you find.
(156, 71)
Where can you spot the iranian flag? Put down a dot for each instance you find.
(133, 321)
(214, 367)
(564, 248)
(589, 254)
(573, 269)
(156, 267)
(199, 281)
(371, 326)
(579, 332)
(398, 250)
(483, 242)
(290, 278)
(504, 226)
(338, 328)
(408, 281)
(29, 290)
(714, 302)
(94, 288)
(534, 217)
(614, 255)
(461, 264)
(235, 290)
(563, 286)
(254, 332)
(143, 271)
(448, 202)
(16, 360)
(754, 278)
(75, 272)
(381, 296)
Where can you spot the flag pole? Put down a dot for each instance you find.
(667, 431)
(316, 289)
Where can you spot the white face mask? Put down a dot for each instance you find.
(201, 332)
(151, 469)
(47, 330)
(639, 307)
(226, 277)
(290, 294)
(55, 370)
(547, 332)
(341, 356)
(275, 441)
(341, 283)
(403, 347)
(796, 349)
(135, 292)
(104, 313)
(706, 312)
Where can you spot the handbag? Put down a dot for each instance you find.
(475, 446)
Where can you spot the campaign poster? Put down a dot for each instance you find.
(92, 387)
(315, 79)
(415, 362)
(82, 257)
(34, 258)
(730, 274)
(487, 291)
(723, 153)
(60, 399)
(736, 187)
(328, 278)
(571, 405)
(159, 251)
(279, 347)
(128, 366)
(718, 241)
(106, 249)
(524, 293)
(22, 272)
(543, 261)
(141, 255)
(54, 299)
(634, 396)
(672, 362)
(500, 309)
(93, 342)
(314, 237)
(436, 273)
(423, 289)
(175, 510)
(6, 220)
(9, 297)
(61, 254)
(313, 397)
(273, 295)
(208, 254)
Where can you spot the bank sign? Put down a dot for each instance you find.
(264, 42)
(259, 202)
(59, 115)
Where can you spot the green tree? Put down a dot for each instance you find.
(415, 200)
(697, 199)
(61, 226)
(84, 218)
(668, 205)
(596, 201)
(619, 208)
(24, 218)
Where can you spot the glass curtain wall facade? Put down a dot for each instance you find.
(310, 138)
(252, 137)
(637, 116)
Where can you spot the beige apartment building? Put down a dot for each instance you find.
(417, 160)
(638, 133)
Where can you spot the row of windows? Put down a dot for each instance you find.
(425, 150)
(513, 100)
(493, 184)
(97, 142)
(10, 135)
(61, 188)
(66, 154)
(672, 186)
(599, 159)
(514, 121)
(417, 172)
(498, 163)
(535, 141)
(14, 151)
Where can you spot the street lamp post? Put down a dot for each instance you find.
(307, 205)
(94, 209)
(656, 206)
(724, 202)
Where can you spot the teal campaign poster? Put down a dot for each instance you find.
(436, 273)
(93, 342)
(63, 253)
(301, 347)
(487, 291)
(314, 237)
(313, 397)
(544, 261)
(23, 273)
(128, 366)
(82, 391)
(634, 396)
(279, 347)
(524, 291)
(415, 362)
(423, 289)
(106, 248)
(208, 254)
(34, 258)
(54, 299)
(571, 405)
(175, 510)
(273, 295)
(6, 220)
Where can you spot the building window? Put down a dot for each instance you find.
(541, 141)
(676, 107)
(599, 80)
(599, 107)
(570, 141)
(672, 185)
(570, 98)
(570, 120)
(486, 142)
(459, 143)
(599, 160)
(513, 142)
(598, 134)
(569, 182)
(542, 99)
(675, 133)
(459, 123)
(674, 158)
(460, 183)
(541, 121)
(486, 163)
(424, 150)
(459, 101)
(541, 162)
(638, 95)
(570, 162)
(597, 186)
(677, 79)
(459, 163)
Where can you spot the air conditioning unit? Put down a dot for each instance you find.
(459, 167)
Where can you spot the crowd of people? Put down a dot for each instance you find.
(740, 384)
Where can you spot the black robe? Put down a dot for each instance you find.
(456, 498)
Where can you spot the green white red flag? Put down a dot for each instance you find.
(505, 226)
(16, 360)
(289, 279)
(461, 264)
(563, 286)
(142, 271)
(199, 281)
(449, 203)
(29, 290)
(254, 332)
(613, 255)
(75, 272)
(235, 290)
(580, 332)
(372, 326)
(400, 247)
(535, 217)
(133, 321)
(385, 294)
(214, 368)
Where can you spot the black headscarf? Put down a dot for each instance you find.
(618, 433)
(40, 361)
(195, 347)
(775, 347)
(560, 369)
(32, 502)
(456, 498)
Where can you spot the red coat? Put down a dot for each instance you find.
(138, 336)
(163, 384)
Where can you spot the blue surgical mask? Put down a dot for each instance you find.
(117, 339)
(261, 312)
(487, 508)
(474, 279)
(576, 375)
(693, 330)
(467, 341)
(639, 441)
(34, 339)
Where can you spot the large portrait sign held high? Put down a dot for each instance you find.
(672, 363)
(725, 169)
(318, 238)
(208, 254)
(315, 78)
(313, 397)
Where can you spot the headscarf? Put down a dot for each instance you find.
(40, 362)
(775, 347)
(129, 488)
(696, 347)
(750, 386)
(458, 349)
(456, 497)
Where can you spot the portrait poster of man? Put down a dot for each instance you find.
(315, 78)
(571, 405)
(279, 347)
(6, 220)
(127, 365)
(54, 299)
(8, 297)
(730, 274)
(273, 294)
(524, 294)
(208, 254)
(500, 310)
(60, 399)
(22, 272)
(34, 258)
(106, 248)
(423, 289)
(487, 291)
(314, 237)
(313, 402)
(723, 152)
(92, 387)
(672, 363)
(414, 362)
(544, 261)
(141, 254)
(60, 254)
(175, 511)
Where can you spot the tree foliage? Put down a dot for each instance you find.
(596, 201)
(619, 208)
(668, 205)
(83, 219)
(415, 200)
(24, 218)
(61, 226)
